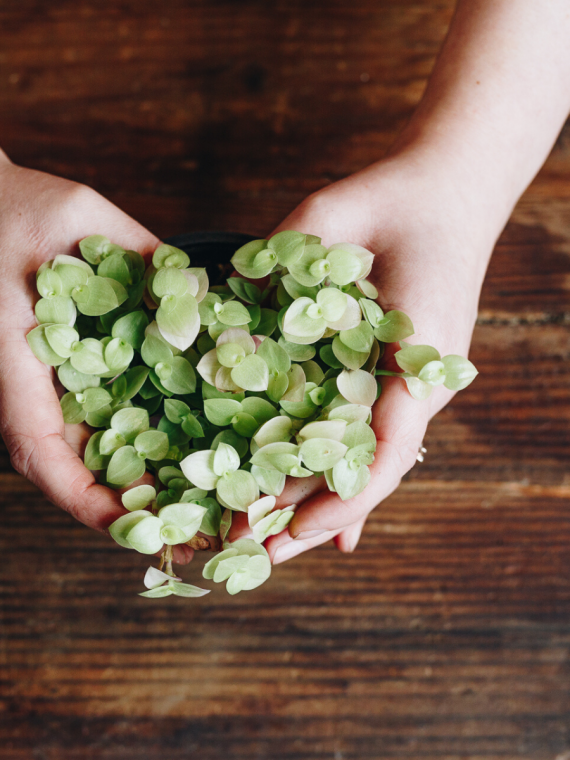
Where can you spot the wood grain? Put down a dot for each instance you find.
(447, 634)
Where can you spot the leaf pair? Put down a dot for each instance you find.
(424, 369)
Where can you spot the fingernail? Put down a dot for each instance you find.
(305, 534)
(288, 551)
(353, 543)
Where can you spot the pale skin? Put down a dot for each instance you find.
(431, 212)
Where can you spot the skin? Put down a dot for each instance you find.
(431, 212)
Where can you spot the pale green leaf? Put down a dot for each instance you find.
(138, 497)
(56, 310)
(394, 327)
(199, 469)
(412, 358)
(251, 374)
(320, 454)
(459, 372)
(125, 467)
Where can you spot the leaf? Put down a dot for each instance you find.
(346, 356)
(155, 350)
(169, 281)
(87, 357)
(211, 521)
(327, 355)
(154, 577)
(367, 289)
(225, 524)
(259, 408)
(297, 383)
(311, 268)
(269, 481)
(208, 367)
(41, 348)
(176, 410)
(296, 290)
(152, 444)
(366, 257)
(131, 328)
(233, 314)
(394, 327)
(169, 256)
(145, 536)
(372, 312)
(320, 454)
(135, 379)
(48, 283)
(345, 267)
(118, 354)
(245, 290)
(226, 459)
(220, 412)
(120, 529)
(433, 373)
(115, 267)
(359, 434)
(199, 469)
(297, 351)
(93, 248)
(138, 498)
(276, 358)
(245, 260)
(251, 374)
(61, 338)
(330, 429)
(237, 490)
(267, 322)
(93, 458)
(157, 593)
(178, 320)
(259, 509)
(350, 413)
(412, 358)
(95, 399)
(288, 245)
(348, 481)
(279, 429)
(351, 318)
(418, 389)
(73, 412)
(186, 590)
(359, 338)
(459, 372)
(357, 387)
(130, 422)
(207, 309)
(98, 296)
(277, 385)
(185, 517)
(303, 321)
(182, 378)
(125, 467)
(56, 310)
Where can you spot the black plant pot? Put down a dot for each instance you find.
(212, 250)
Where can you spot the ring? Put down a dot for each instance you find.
(421, 451)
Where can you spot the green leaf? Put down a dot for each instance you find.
(125, 467)
(115, 267)
(296, 290)
(185, 517)
(155, 350)
(245, 290)
(328, 356)
(131, 328)
(296, 386)
(277, 430)
(41, 348)
(138, 498)
(433, 373)
(169, 256)
(237, 490)
(277, 386)
(311, 268)
(233, 314)
(111, 442)
(199, 469)
(93, 248)
(73, 412)
(176, 410)
(349, 481)
(346, 356)
(48, 283)
(320, 454)
(145, 536)
(367, 289)
(93, 458)
(220, 412)
(87, 357)
(75, 381)
(359, 338)
(226, 459)
(297, 352)
(118, 354)
(56, 310)
(97, 296)
(358, 433)
(135, 378)
(185, 590)
(244, 424)
(357, 387)
(95, 398)
(210, 524)
(418, 389)
(157, 593)
(267, 322)
(207, 309)
(178, 320)
(152, 444)
(412, 358)
(459, 372)
(61, 339)
(303, 321)
(225, 525)
(372, 312)
(182, 378)
(329, 429)
(288, 245)
(269, 481)
(169, 281)
(230, 354)
(245, 260)
(121, 528)
(276, 358)
(130, 422)
(251, 374)
(345, 267)
(394, 327)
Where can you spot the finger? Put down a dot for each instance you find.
(239, 528)
(32, 426)
(399, 423)
(298, 490)
(347, 540)
(282, 547)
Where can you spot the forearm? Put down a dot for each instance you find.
(496, 101)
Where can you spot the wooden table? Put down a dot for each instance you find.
(446, 635)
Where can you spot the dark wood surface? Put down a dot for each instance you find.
(447, 634)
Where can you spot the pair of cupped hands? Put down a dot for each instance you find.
(427, 253)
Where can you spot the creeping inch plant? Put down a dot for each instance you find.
(222, 392)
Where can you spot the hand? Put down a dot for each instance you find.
(430, 262)
(41, 216)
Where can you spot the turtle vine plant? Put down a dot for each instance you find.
(222, 392)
